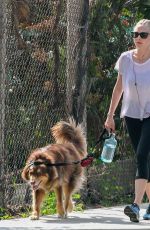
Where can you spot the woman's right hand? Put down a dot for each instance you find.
(110, 124)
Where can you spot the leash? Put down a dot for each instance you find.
(104, 135)
(90, 157)
(84, 162)
(36, 163)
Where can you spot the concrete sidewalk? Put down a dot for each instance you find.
(100, 218)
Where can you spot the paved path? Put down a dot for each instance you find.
(100, 218)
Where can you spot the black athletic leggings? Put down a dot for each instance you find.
(139, 132)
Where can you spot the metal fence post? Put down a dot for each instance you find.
(77, 27)
(3, 29)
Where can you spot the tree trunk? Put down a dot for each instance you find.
(3, 30)
(77, 26)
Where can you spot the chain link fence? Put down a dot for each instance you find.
(42, 80)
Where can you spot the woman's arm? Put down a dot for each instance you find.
(116, 95)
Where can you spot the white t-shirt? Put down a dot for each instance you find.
(136, 97)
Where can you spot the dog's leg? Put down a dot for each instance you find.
(38, 197)
(60, 207)
(68, 190)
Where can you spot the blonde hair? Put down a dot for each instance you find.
(143, 22)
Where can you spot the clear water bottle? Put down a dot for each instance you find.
(109, 149)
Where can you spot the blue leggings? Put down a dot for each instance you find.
(139, 132)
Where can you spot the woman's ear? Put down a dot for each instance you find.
(25, 173)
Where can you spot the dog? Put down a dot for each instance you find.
(57, 168)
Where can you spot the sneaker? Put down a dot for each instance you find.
(132, 211)
(147, 214)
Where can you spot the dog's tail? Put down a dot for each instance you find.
(68, 132)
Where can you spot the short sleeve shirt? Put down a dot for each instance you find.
(136, 86)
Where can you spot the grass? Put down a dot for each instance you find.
(4, 214)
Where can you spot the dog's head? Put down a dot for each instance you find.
(39, 174)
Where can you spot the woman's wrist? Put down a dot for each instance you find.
(110, 115)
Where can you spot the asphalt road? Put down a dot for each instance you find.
(99, 218)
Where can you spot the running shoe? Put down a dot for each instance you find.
(132, 211)
(147, 214)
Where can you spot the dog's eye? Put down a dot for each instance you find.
(31, 173)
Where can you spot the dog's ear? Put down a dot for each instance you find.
(25, 173)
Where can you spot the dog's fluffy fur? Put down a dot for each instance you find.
(70, 146)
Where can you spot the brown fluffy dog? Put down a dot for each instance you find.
(66, 176)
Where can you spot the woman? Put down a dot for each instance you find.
(133, 82)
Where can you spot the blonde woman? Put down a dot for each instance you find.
(133, 83)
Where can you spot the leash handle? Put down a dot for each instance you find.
(104, 135)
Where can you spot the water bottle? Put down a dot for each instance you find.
(109, 149)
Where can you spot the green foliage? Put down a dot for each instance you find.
(110, 26)
(4, 214)
(49, 205)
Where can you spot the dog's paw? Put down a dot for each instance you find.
(34, 217)
(66, 215)
(63, 216)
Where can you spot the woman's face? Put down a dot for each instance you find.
(142, 37)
